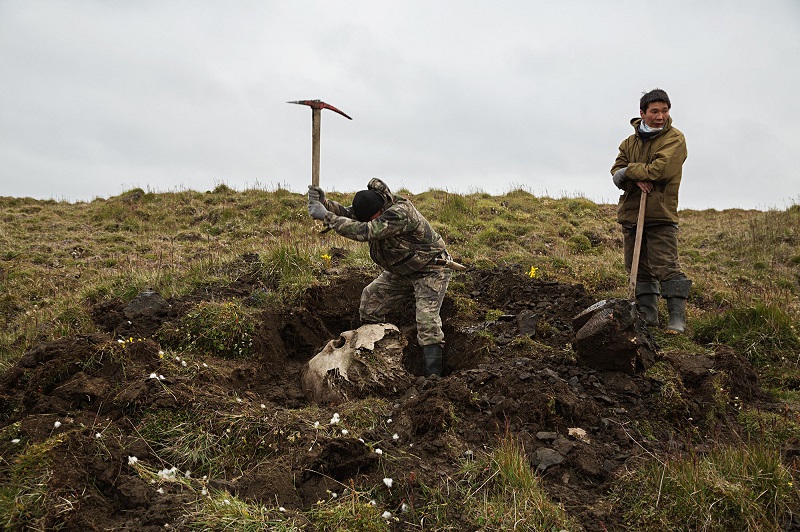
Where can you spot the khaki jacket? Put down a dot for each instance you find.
(658, 160)
(400, 240)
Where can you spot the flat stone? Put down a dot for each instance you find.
(546, 457)
(563, 446)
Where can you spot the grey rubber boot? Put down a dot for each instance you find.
(647, 301)
(432, 358)
(676, 292)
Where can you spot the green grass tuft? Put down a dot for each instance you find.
(731, 488)
(764, 332)
(221, 329)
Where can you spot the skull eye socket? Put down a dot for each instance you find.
(340, 342)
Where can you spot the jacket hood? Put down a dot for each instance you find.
(638, 120)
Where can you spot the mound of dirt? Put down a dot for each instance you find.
(513, 373)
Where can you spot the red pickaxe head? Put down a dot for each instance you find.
(319, 104)
(316, 117)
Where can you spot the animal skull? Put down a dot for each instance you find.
(359, 363)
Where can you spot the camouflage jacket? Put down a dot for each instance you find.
(658, 160)
(400, 240)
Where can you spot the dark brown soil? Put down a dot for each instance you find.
(514, 374)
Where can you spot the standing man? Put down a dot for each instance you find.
(651, 162)
(405, 245)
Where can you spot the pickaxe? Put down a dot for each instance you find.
(316, 117)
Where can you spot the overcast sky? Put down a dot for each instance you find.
(102, 96)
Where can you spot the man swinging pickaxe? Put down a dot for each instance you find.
(316, 117)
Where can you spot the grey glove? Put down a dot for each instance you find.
(378, 185)
(317, 210)
(619, 178)
(316, 194)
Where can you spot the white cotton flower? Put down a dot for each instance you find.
(389, 420)
(335, 419)
(188, 474)
(281, 509)
(203, 491)
(225, 501)
(120, 341)
(56, 424)
(388, 482)
(378, 451)
(263, 405)
(316, 424)
(395, 436)
(168, 474)
(238, 399)
(345, 432)
(132, 460)
(373, 502)
(15, 440)
(404, 507)
(386, 515)
(160, 352)
(205, 365)
(153, 376)
(183, 363)
(98, 435)
(160, 490)
(160, 377)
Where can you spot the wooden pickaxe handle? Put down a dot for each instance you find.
(316, 119)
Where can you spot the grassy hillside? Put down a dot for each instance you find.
(56, 258)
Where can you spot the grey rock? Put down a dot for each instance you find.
(546, 457)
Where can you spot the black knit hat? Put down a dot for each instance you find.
(366, 204)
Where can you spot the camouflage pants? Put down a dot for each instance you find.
(658, 259)
(389, 290)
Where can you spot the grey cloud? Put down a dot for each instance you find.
(452, 95)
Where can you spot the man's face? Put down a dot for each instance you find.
(656, 114)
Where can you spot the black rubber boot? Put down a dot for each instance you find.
(677, 314)
(647, 301)
(432, 357)
(676, 292)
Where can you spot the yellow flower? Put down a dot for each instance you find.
(326, 257)
(532, 273)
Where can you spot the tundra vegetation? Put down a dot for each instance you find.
(734, 466)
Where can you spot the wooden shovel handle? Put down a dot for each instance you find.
(637, 247)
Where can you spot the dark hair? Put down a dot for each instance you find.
(655, 95)
(366, 204)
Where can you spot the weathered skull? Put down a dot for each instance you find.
(366, 361)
